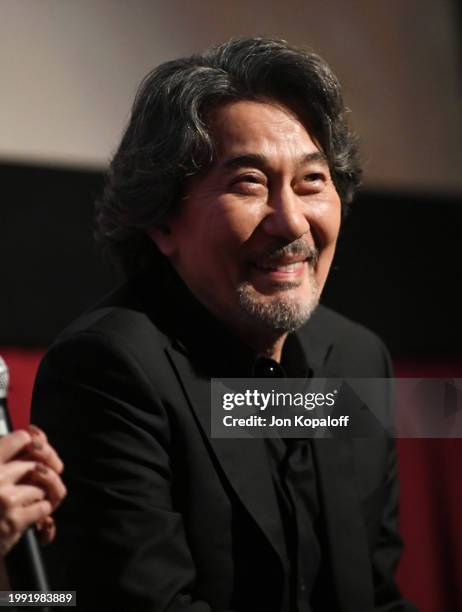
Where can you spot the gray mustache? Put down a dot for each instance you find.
(298, 247)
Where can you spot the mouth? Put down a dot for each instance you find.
(285, 268)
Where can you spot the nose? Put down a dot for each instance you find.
(287, 215)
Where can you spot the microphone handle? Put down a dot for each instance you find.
(24, 564)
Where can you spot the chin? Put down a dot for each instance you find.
(284, 312)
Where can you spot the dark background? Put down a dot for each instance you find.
(397, 266)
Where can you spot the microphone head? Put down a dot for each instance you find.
(4, 379)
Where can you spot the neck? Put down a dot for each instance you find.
(269, 346)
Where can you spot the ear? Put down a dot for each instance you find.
(162, 236)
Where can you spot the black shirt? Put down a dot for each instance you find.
(294, 478)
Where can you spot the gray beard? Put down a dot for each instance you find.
(280, 314)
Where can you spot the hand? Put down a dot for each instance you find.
(48, 466)
(30, 488)
(41, 450)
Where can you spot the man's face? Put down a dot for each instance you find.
(255, 234)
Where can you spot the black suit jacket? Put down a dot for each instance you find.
(160, 516)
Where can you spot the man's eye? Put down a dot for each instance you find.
(247, 183)
(247, 178)
(312, 177)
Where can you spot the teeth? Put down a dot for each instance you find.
(285, 267)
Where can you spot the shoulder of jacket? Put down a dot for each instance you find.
(338, 328)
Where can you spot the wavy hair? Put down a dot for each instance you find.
(167, 138)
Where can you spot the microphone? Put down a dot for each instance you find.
(24, 563)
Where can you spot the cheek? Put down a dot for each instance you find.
(326, 218)
(233, 223)
(210, 237)
(327, 222)
(324, 264)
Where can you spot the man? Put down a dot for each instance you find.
(223, 203)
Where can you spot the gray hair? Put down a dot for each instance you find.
(167, 138)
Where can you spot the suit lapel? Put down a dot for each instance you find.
(243, 461)
(345, 529)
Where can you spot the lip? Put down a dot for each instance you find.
(285, 269)
(281, 261)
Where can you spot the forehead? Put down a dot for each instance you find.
(268, 128)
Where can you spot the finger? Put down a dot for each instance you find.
(43, 523)
(46, 530)
(14, 523)
(45, 453)
(13, 443)
(49, 481)
(14, 471)
(13, 496)
(23, 517)
(37, 433)
(35, 512)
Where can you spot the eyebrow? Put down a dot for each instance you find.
(259, 160)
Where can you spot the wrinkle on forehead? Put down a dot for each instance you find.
(269, 128)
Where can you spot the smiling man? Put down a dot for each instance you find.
(223, 204)
(255, 235)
